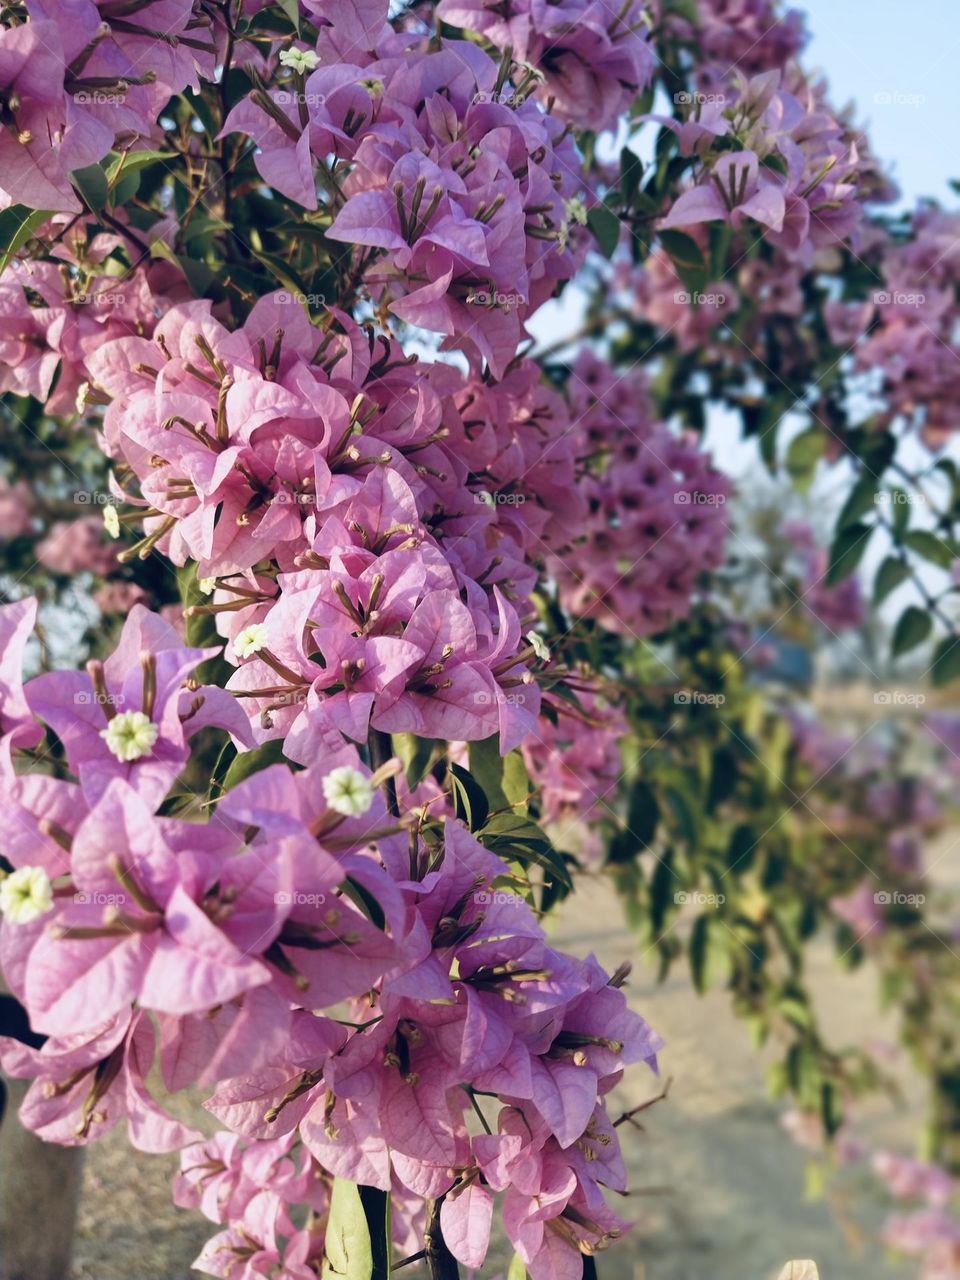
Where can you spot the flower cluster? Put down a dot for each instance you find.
(590, 60)
(211, 950)
(391, 599)
(79, 79)
(462, 199)
(772, 157)
(655, 520)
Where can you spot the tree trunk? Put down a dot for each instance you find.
(39, 1196)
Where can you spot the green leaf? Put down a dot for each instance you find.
(891, 573)
(683, 249)
(121, 163)
(742, 848)
(516, 1270)
(376, 1208)
(643, 813)
(516, 779)
(932, 548)
(292, 10)
(848, 547)
(17, 225)
(803, 453)
(631, 173)
(913, 627)
(516, 838)
(248, 763)
(859, 501)
(486, 766)
(469, 799)
(687, 258)
(605, 225)
(91, 182)
(416, 755)
(348, 1254)
(946, 661)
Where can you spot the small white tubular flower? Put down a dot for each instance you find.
(130, 735)
(207, 585)
(299, 60)
(26, 895)
(250, 640)
(348, 791)
(111, 520)
(539, 646)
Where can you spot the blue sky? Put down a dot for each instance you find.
(898, 62)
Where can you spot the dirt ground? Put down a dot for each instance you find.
(719, 1187)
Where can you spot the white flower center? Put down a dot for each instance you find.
(539, 646)
(207, 585)
(111, 520)
(299, 60)
(130, 735)
(250, 640)
(26, 895)
(348, 791)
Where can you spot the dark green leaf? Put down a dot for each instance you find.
(17, 225)
(946, 661)
(932, 548)
(605, 225)
(913, 627)
(859, 501)
(891, 573)
(469, 801)
(248, 763)
(847, 550)
(91, 182)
